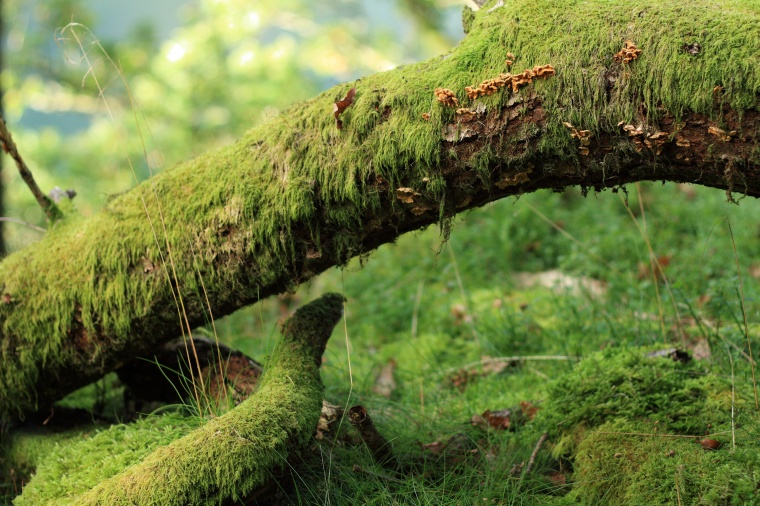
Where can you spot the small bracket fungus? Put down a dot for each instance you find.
(465, 114)
(446, 97)
(490, 86)
(584, 136)
(654, 141)
(628, 53)
(406, 195)
(720, 133)
(514, 179)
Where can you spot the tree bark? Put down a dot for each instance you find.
(299, 195)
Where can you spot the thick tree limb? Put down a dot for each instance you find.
(297, 196)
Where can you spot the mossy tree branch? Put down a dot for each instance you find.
(224, 459)
(298, 195)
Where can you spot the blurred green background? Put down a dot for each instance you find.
(199, 74)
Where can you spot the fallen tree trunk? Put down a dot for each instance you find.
(299, 194)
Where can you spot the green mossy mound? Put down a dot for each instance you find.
(653, 469)
(632, 425)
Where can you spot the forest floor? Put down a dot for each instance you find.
(540, 315)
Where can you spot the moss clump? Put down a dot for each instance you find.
(626, 383)
(611, 466)
(70, 465)
(631, 425)
(169, 460)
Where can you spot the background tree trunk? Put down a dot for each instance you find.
(300, 195)
(2, 187)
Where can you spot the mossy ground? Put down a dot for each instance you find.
(586, 405)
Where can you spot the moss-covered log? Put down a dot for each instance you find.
(226, 458)
(298, 195)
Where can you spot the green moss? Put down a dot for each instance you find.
(614, 467)
(171, 460)
(619, 414)
(628, 384)
(103, 277)
(72, 464)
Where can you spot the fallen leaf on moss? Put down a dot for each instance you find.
(557, 478)
(435, 447)
(341, 106)
(529, 409)
(502, 419)
(645, 270)
(459, 312)
(710, 444)
(385, 384)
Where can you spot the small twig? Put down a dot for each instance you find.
(25, 223)
(507, 360)
(7, 144)
(646, 434)
(380, 448)
(532, 459)
(359, 469)
(744, 314)
(678, 492)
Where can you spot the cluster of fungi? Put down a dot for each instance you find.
(491, 86)
(584, 136)
(628, 53)
(446, 97)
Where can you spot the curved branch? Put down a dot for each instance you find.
(226, 458)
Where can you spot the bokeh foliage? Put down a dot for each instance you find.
(169, 94)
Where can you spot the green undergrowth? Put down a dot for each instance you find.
(492, 314)
(599, 381)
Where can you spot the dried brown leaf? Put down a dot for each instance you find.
(385, 384)
(341, 105)
(710, 444)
